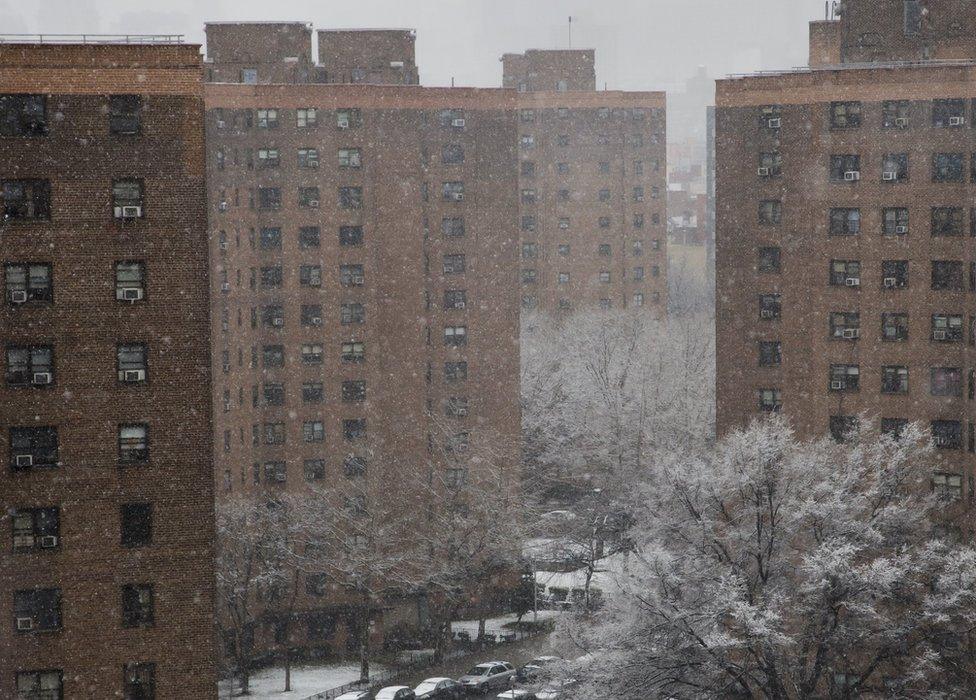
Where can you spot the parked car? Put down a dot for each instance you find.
(517, 694)
(439, 689)
(488, 676)
(396, 692)
(531, 670)
(354, 695)
(557, 689)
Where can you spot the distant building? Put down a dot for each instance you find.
(107, 575)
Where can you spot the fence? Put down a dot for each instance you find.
(467, 648)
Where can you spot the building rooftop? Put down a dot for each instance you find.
(879, 65)
(140, 39)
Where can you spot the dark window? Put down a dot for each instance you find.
(894, 274)
(845, 273)
(894, 380)
(314, 469)
(312, 392)
(948, 113)
(528, 223)
(36, 528)
(894, 326)
(769, 259)
(37, 609)
(274, 433)
(26, 200)
(770, 353)
(947, 275)
(770, 306)
(273, 356)
(894, 114)
(770, 400)
(350, 235)
(354, 428)
(947, 328)
(770, 164)
(352, 313)
(455, 336)
(842, 427)
(455, 371)
(893, 427)
(353, 352)
(894, 167)
(945, 381)
(453, 264)
(269, 198)
(845, 222)
(770, 212)
(350, 158)
(315, 584)
(351, 197)
(895, 221)
(452, 153)
(40, 685)
(456, 406)
(28, 282)
(845, 324)
(452, 227)
(33, 447)
(30, 365)
(351, 275)
(948, 167)
(455, 298)
(845, 168)
(133, 443)
(311, 314)
(275, 472)
(273, 315)
(308, 237)
(353, 391)
(310, 275)
(133, 362)
(770, 116)
(137, 606)
(308, 197)
(845, 115)
(354, 466)
(124, 114)
(127, 199)
(947, 434)
(274, 394)
(271, 277)
(270, 238)
(947, 221)
(139, 681)
(845, 378)
(23, 115)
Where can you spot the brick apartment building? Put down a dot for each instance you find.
(592, 187)
(106, 577)
(845, 264)
(365, 294)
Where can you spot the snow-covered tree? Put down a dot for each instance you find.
(775, 568)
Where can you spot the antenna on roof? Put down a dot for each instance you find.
(570, 31)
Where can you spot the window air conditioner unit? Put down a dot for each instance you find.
(280, 477)
(41, 378)
(225, 286)
(25, 624)
(222, 206)
(19, 297)
(889, 176)
(49, 541)
(458, 123)
(852, 333)
(890, 282)
(853, 281)
(563, 224)
(774, 123)
(938, 335)
(128, 212)
(940, 441)
(457, 196)
(23, 541)
(313, 203)
(957, 121)
(901, 229)
(358, 279)
(766, 313)
(222, 245)
(396, 64)
(277, 322)
(343, 123)
(836, 386)
(221, 123)
(24, 460)
(763, 172)
(316, 321)
(901, 122)
(852, 176)
(129, 294)
(313, 164)
(133, 375)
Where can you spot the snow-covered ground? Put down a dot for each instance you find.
(496, 625)
(305, 680)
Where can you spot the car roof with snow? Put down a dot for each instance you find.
(436, 679)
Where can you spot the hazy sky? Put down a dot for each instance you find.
(641, 44)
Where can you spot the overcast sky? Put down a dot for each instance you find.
(641, 44)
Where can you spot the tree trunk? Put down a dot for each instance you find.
(287, 667)
(481, 627)
(364, 650)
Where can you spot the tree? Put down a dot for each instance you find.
(774, 568)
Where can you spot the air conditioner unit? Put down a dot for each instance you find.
(890, 282)
(24, 460)
(129, 294)
(221, 123)
(901, 229)
(938, 335)
(957, 121)
(222, 245)
(225, 286)
(277, 322)
(128, 212)
(396, 64)
(763, 172)
(18, 297)
(280, 477)
(49, 541)
(940, 441)
(852, 333)
(889, 176)
(564, 224)
(457, 196)
(901, 121)
(852, 176)
(836, 386)
(853, 281)
(222, 206)
(458, 123)
(766, 313)
(133, 375)
(357, 279)
(459, 305)
(343, 124)
(313, 164)
(41, 378)
(25, 624)
(313, 203)
(316, 321)
(21, 541)
(774, 123)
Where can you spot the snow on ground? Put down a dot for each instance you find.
(305, 680)
(608, 570)
(496, 625)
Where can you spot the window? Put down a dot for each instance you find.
(351, 197)
(637, 247)
(273, 356)
(350, 235)
(452, 191)
(274, 394)
(842, 428)
(895, 221)
(354, 466)
(124, 114)
(308, 158)
(769, 259)
(28, 282)
(455, 371)
(528, 223)
(139, 681)
(948, 167)
(354, 428)
(894, 274)
(352, 313)
(314, 469)
(637, 274)
(845, 222)
(455, 336)
(845, 168)
(351, 275)
(947, 221)
(770, 116)
(268, 158)
(562, 140)
(312, 392)
(351, 352)
(267, 118)
(529, 251)
(638, 298)
(137, 606)
(306, 118)
(527, 115)
(271, 277)
(310, 275)
(894, 167)
(529, 276)
(945, 381)
(311, 314)
(604, 276)
(604, 195)
(308, 197)
(770, 400)
(529, 302)
(845, 273)
(26, 200)
(894, 326)
(947, 434)
(770, 212)
(893, 427)
(136, 524)
(947, 275)
(770, 306)
(454, 264)
(23, 115)
(38, 609)
(33, 447)
(527, 142)
(270, 239)
(894, 114)
(452, 154)
(947, 487)
(311, 354)
(455, 298)
(40, 685)
(845, 115)
(133, 362)
(947, 328)
(845, 378)
(603, 222)
(845, 324)
(948, 113)
(269, 198)
(353, 391)
(563, 278)
(313, 431)
(272, 316)
(563, 249)
(350, 158)
(133, 443)
(127, 199)
(770, 353)
(30, 365)
(35, 528)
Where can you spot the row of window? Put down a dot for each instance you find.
(310, 117)
(27, 115)
(309, 157)
(946, 167)
(39, 609)
(33, 365)
(38, 446)
(138, 683)
(846, 221)
(530, 251)
(33, 281)
(40, 528)
(273, 356)
(313, 431)
(529, 195)
(272, 276)
(894, 114)
(530, 141)
(527, 168)
(946, 275)
(313, 392)
(531, 275)
(637, 114)
(530, 302)
(30, 200)
(530, 222)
